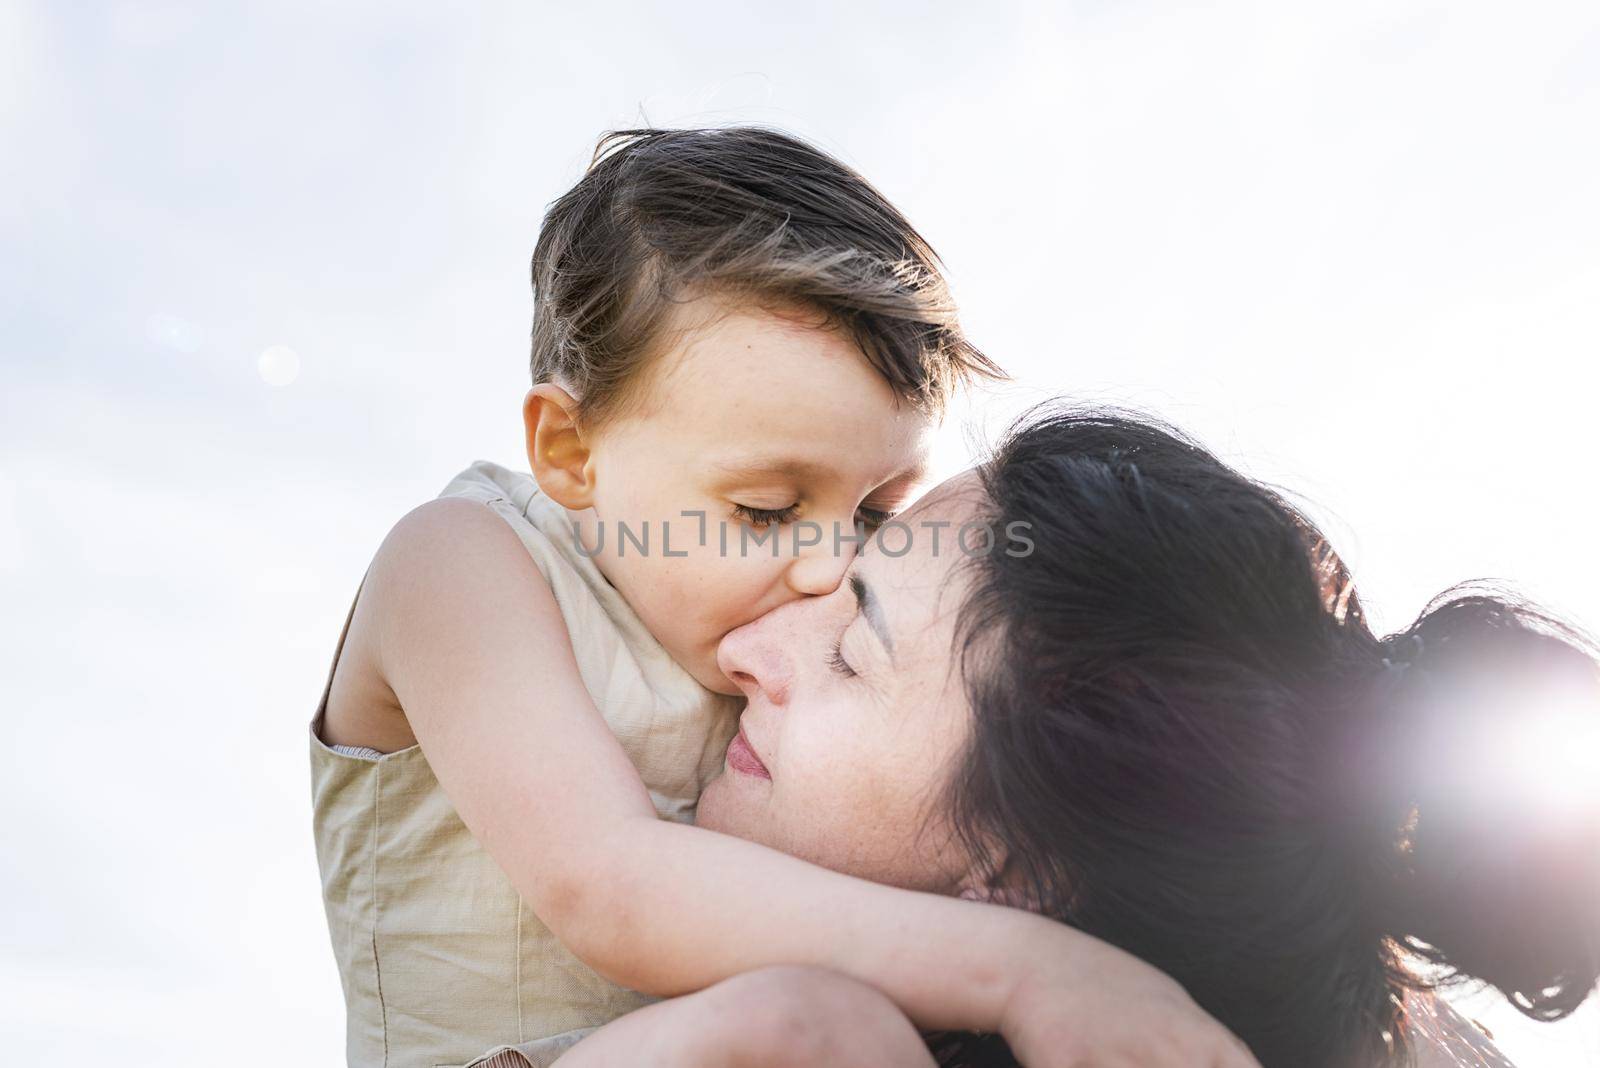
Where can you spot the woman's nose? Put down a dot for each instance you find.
(756, 657)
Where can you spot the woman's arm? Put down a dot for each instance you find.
(468, 637)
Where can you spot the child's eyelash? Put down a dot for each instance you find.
(837, 662)
(762, 517)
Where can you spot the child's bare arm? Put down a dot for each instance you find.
(782, 1017)
(468, 636)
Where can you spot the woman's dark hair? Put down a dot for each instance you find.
(1189, 743)
(744, 212)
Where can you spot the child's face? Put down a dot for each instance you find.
(770, 426)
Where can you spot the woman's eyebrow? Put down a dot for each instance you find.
(868, 604)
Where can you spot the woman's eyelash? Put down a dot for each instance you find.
(837, 662)
(761, 517)
(874, 517)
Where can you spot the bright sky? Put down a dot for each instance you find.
(265, 288)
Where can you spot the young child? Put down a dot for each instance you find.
(733, 333)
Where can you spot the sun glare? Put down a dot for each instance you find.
(1554, 755)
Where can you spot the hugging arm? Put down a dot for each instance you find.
(467, 635)
(782, 1017)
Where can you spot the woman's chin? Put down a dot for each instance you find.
(725, 807)
(708, 813)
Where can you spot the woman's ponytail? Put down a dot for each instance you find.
(1493, 730)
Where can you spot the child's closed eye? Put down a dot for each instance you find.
(764, 517)
(871, 518)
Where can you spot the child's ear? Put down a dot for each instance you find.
(557, 453)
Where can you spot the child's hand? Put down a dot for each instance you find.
(1090, 1005)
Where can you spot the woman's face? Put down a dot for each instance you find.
(842, 756)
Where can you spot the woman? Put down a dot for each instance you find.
(1165, 721)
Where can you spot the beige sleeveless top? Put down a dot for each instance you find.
(441, 962)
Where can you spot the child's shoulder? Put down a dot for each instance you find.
(448, 534)
(450, 563)
(466, 525)
(488, 521)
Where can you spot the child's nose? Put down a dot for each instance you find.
(817, 570)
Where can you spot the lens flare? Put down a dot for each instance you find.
(1554, 757)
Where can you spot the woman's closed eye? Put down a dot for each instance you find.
(837, 661)
(873, 518)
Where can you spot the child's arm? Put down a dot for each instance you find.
(464, 630)
(781, 1017)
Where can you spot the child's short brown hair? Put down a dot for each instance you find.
(746, 212)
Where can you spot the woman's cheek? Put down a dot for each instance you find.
(829, 769)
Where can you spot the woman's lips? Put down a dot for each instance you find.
(743, 758)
